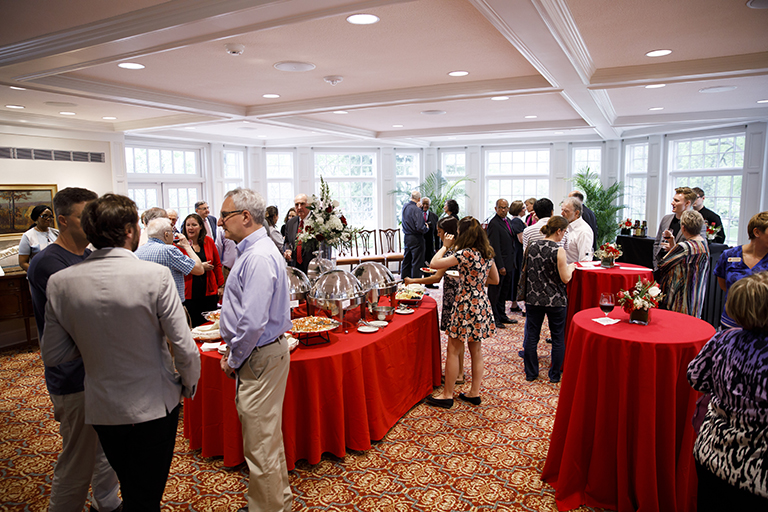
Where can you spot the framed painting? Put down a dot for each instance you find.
(16, 204)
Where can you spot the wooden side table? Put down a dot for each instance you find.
(15, 299)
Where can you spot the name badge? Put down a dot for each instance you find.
(735, 259)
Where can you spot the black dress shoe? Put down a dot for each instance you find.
(500, 325)
(118, 509)
(521, 353)
(516, 310)
(445, 403)
(531, 379)
(507, 320)
(474, 400)
(244, 509)
(554, 381)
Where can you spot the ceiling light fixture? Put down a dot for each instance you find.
(717, 88)
(15, 106)
(234, 48)
(270, 96)
(23, 121)
(67, 113)
(458, 73)
(656, 108)
(433, 112)
(531, 117)
(190, 128)
(130, 65)
(762, 101)
(340, 112)
(16, 88)
(109, 118)
(262, 136)
(757, 4)
(294, 66)
(400, 126)
(655, 86)
(333, 79)
(658, 53)
(559, 133)
(362, 19)
(500, 98)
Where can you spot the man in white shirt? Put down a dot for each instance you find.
(580, 234)
(544, 208)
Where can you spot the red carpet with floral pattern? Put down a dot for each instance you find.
(468, 458)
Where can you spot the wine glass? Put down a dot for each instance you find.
(607, 302)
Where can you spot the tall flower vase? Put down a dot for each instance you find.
(607, 262)
(327, 252)
(640, 316)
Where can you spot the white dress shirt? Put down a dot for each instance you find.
(580, 239)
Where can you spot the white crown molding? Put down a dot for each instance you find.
(412, 95)
(733, 66)
(303, 123)
(169, 122)
(558, 18)
(136, 96)
(603, 102)
(723, 116)
(692, 129)
(489, 128)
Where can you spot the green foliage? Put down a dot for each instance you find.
(603, 201)
(436, 188)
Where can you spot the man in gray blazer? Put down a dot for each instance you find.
(115, 311)
(669, 227)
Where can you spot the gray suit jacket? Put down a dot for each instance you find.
(666, 221)
(115, 309)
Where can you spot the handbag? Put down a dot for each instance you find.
(522, 283)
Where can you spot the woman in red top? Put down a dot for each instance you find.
(202, 293)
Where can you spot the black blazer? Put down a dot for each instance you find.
(502, 243)
(213, 221)
(291, 228)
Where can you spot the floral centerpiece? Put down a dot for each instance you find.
(626, 226)
(608, 253)
(639, 301)
(713, 230)
(325, 224)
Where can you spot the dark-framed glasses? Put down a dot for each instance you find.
(46, 216)
(226, 215)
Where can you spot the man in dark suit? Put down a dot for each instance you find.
(588, 216)
(710, 217)
(430, 237)
(297, 254)
(500, 237)
(201, 208)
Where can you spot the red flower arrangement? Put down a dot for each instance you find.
(608, 250)
(627, 224)
(645, 295)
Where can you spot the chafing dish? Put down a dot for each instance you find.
(317, 267)
(298, 285)
(377, 281)
(336, 291)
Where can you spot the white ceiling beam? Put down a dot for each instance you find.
(732, 116)
(488, 128)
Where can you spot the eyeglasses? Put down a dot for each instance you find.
(46, 216)
(226, 215)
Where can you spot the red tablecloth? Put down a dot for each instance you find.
(339, 395)
(622, 438)
(587, 284)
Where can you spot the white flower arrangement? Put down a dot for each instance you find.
(325, 222)
(646, 295)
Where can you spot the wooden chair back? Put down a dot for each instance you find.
(367, 240)
(390, 240)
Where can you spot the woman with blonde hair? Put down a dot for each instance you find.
(731, 450)
(472, 317)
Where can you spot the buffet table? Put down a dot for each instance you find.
(339, 395)
(622, 438)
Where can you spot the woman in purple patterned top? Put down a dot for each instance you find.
(731, 450)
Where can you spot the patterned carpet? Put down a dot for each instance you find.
(468, 458)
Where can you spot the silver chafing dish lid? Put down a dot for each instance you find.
(373, 274)
(336, 284)
(298, 283)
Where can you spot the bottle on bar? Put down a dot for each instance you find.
(645, 229)
(636, 229)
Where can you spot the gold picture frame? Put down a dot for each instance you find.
(16, 204)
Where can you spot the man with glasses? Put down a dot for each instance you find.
(255, 314)
(295, 252)
(710, 218)
(202, 209)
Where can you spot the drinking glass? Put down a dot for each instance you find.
(607, 302)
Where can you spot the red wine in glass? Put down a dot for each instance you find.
(607, 303)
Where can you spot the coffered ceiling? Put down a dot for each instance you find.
(569, 70)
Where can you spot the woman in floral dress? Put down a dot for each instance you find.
(472, 317)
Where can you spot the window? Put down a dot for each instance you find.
(636, 180)
(407, 179)
(141, 160)
(182, 199)
(351, 178)
(587, 157)
(716, 165)
(234, 170)
(280, 181)
(454, 167)
(515, 175)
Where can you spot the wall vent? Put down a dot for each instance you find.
(51, 155)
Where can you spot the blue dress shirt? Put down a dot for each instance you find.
(256, 307)
(157, 251)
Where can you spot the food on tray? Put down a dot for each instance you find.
(314, 324)
(411, 292)
(212, 316)
(206, 332)
(428, 270)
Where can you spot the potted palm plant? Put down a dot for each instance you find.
(603, 201)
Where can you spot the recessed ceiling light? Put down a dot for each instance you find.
(14, 106)
(451, 138)
(531, 117)
(433, 112)
(655, 86)
(190, 128)
(559, 133)
(400, 126)
(658, 53)
(340, 112)
(500, 98)
(762, 101)
(458, 73)
(717, 88)
(656, 108)
(15, 88)
(362, 19)
(130, 65)
(262, 136)
(294, 66)
(23, 121)
(67, 113)
(270, 96)
(109, 118)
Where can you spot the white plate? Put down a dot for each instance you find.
(378, 323)
(404, 311)
(367, 329)
(452, 273)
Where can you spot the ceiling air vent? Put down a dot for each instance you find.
(97, 157)
(79, 156)
(24, 153)
(42, 154)
(62, 155)
(6, 152)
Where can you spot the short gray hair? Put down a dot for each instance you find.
(575, 203)
(692, 221)
(247, 199)
(416, 195)
(158, 227)
(153, 213)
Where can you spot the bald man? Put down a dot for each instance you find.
(297, 254)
